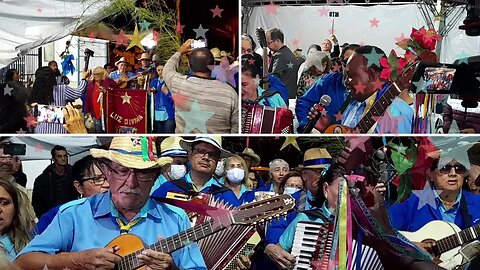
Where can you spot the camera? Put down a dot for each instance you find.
(458, 79)
(14, 149)
(200, 43)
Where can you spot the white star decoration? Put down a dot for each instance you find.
(195, 118)
(126, 98)
(7, 90)
(290, 65)
(427, 196)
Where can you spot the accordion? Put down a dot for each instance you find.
(313, 243)
(262, 119)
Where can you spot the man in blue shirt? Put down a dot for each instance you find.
(77, 236)
(203, 155)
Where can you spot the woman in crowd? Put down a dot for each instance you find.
(20, 92)
(88, 181)
(236, 174)
(45, 92)
(292, 182)
(316, 65)
(92, 108)
(277, 169)
(164, 107)
(17, 222)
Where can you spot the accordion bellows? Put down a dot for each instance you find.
(262, 119)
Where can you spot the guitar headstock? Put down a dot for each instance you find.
(405, 79)
(261, 210)
(261, 37)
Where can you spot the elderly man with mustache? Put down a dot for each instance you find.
(77, 237)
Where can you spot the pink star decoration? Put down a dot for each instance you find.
(156, 36)
(338, 116)
(337, 67)
(180, 99)
(38, 148)
(180, 28)
(323, 11)
(92, 36)
(271, 8)
(400, 38)
(295, 42)
(374, 22)
(360, 87)
(120, 39)
(39, 10)
(217, 12)
(31, 121)
(331, 32)
(357, 142)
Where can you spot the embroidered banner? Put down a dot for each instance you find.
(126, 111)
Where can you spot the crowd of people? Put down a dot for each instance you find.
(207, 96)
(120, 191)
(351, 75)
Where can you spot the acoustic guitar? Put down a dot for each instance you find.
(123, 82)
(367, 124)
(448, 239)
(131, 245)
(262, 39)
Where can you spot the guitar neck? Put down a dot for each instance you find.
(378, 109)
(176, 242)
(458, 239)
(265, 62)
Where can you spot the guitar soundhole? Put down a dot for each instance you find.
(337, 130)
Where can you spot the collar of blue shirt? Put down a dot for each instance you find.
(209, 183)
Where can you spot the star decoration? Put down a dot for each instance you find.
(374, 22)
(144, 3)
(179, 99)
(290, 65)
(400, 38)
(251, 61)
(31, 121)
(126, 98)
(462, 57)
(453, 148)
(320, 82)
(21, 131)
(39, 10)
(92, 36)
(387, 124)
(180, 28)
(120, 39)
(156, 36)
(7, 90)
(454, 128)
(331, 31)
(357, 142)
(377, 84)
(288, 141)
(361, 43)
(144, 25)
(136, 38)
(401, 148)
(337, 67)
(217, 12)
(338, 117)
(257, 80)
(323, 11)
(38, 148)
(427, 196)
(420, 85)
(373, 57)
(295, 42)
(200, 32)
(360, 87)
(271, 8)
(195, 118)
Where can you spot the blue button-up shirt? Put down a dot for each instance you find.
(90, 223)
(115, 75)
(450, 214)
(8, 245)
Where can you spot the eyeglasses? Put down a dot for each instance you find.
(124, 173)
(314, 171)
(247, 51)
(202, 152)
(459, 168)
(270, 42)
(98, 180)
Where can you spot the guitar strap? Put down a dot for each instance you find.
(466, 216)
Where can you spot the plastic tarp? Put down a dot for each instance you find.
(26, 25)
(306, 25)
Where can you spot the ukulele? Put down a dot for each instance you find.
(367, 124)
(131, 245)
(262, 39)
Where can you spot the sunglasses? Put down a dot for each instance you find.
(459, 168)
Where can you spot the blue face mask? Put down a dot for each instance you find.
(290, 190)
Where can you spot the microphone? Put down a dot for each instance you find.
(324, 102)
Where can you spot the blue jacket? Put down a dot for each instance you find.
(278, 85)
(331, 85)
(45, 220)
(160, 98)
(407, 217)
(219, 191)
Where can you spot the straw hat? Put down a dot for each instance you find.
(132, 152)
(216, 54)
(250, 153)
(213, 140)
(122, 60)
(170, 147)
(156, 58)
(145, 56)
(317, 59)
(316, 158)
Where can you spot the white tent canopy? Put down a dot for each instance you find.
(306, 25)
(26, 25)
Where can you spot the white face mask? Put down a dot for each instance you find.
(235, 175)
(290, 190)
(177, 171)
(220, 168)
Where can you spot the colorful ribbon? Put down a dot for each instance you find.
(124, 228)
